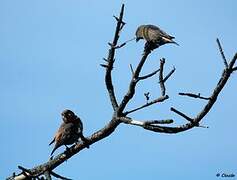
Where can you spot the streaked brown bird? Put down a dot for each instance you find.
(69, 131)
(154, 35)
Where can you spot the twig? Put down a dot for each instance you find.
(104, 66)
(201, 126)
(59, 176)
(120, 46)
(234, 68)
(148, 75)
(194, 95)
(25, 171)
(222, 52)
(119, 20)
(131, 68)
(133, 82)
(168, 75)
(110, 59)
(105, 59)
(147, 96)
(232, 62)
(160, 99)
(182, 114)
(161, 80)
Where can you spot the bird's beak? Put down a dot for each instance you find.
(137, 39)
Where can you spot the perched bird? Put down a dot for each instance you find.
(69, 132)
(153, 35)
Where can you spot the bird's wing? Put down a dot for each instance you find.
(69, 134)
(57, 135)
(67, 130)
(79, 126)
(161, 32)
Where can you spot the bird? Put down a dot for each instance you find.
(154, 35)
(69, 131)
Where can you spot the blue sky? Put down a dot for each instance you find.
(50, 53)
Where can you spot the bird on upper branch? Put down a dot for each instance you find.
(154, 36)
(69, 131)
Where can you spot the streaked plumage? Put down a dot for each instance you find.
(154, 35)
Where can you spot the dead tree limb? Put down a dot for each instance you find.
(110, 59)
(169, 75)
(194, 95)
(222, 52)
(212, 99)
(161, 79)
(160, 99)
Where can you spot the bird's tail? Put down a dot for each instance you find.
(52, 141)
(169, 40)
(53, 151)
(85, 140)
(174, 42)
(55, 147)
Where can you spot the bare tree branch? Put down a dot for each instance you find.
(147, 96)
(232, 62)
(58, 176)
(194, 95)
(181, 114)
(234, 69)
(110, 59)
(131, 68)
(160, 99)
(133, 82)
(25, 172)
(222, 52)
(148, 75)
(168, 75)
(161, 79)
(196, 120)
